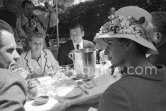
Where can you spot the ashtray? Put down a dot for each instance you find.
(41, 100)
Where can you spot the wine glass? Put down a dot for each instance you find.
(52, 71)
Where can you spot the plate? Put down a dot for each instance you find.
(65, 82)
(74, 93)
(41, 100)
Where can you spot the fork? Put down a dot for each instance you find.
(85, 91)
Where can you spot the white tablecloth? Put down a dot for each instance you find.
(102, 82)
(31, 106)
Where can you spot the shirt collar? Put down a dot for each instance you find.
(80, 45)
(29, 56)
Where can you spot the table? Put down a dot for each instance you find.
(102, 82)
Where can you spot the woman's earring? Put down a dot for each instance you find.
(157, 37)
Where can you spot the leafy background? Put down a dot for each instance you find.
(91, 14)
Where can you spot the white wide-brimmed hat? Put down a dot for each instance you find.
(135, 12)
(129, 28)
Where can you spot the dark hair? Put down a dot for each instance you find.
(36, 35)
(140, 49)
(8, 17)
(75, 25)
(26, 2)
(5, 26)
(159, 21)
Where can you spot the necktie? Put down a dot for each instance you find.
(77, 46)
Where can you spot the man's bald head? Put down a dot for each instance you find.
(4, 26)
(8, 53)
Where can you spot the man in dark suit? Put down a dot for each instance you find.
(76, 42)
(12, 85)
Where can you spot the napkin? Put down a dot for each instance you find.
(64, 90)
(61, 91)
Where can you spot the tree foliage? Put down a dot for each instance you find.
(93, 14)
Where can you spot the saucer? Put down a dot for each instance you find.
(41, 100)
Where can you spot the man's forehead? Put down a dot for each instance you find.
(6, 37)
(74, 32)
(76, 29)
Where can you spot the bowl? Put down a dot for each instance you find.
(41, 100)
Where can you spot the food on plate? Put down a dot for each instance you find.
(69, 73)
(41, 99)
(65, 82)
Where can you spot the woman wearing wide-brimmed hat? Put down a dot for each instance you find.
(142, 87)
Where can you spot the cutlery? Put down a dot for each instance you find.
(85, 91)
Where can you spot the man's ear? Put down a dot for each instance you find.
(157, 37)
(83, 33)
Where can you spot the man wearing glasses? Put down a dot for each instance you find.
(29, 22)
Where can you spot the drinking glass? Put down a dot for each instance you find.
(43, 89)
(98, 70)
(52, 71)
(65, 69)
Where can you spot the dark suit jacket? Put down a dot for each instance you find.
(12, 91)
(145, 92)
(66, 48)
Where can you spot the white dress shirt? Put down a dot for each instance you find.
(80, 45)
(41, 67)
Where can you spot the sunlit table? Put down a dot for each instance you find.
(102, 82)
